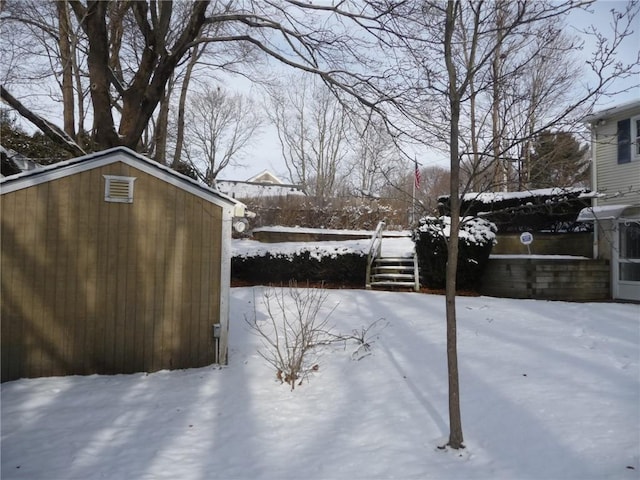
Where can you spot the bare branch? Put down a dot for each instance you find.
(49, 129)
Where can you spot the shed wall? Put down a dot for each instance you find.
(95, 287)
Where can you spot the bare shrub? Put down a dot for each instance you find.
(364, 338)
(295, 327)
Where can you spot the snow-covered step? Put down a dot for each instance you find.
(392, 284)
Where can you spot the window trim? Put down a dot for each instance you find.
(623, 134)
(635, 138)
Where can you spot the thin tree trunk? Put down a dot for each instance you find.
(80, 95)
(455, 420)
(500, 175)
(177, 155)
(66, 58)
(160, 134)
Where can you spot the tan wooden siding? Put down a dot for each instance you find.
(613, 177)
(95, 287)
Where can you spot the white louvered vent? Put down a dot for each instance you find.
(118, 189)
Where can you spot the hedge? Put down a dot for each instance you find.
(476, 239)
(346, 269)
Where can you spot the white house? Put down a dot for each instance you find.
(265, 184)
(615, 144)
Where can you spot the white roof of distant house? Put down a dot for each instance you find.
(264, 184)
(265, 177)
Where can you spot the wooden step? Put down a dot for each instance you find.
(392, 270)
(393, 284)
(402, 260)
(393, 276)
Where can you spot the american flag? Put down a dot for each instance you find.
(417, 175)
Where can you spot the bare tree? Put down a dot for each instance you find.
(312, 129)
(45, 44)
(376, 160)
(462, 65)
(218, 126)
(133, 49)
(434, 182)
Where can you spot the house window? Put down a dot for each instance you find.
(118, 189)
(629, 255)
(629, 140)
(636, 136)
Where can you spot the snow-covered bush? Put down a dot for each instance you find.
(476, 238)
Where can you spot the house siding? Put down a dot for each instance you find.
(95, 287)
(613, 177)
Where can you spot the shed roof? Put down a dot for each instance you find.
(113, 155)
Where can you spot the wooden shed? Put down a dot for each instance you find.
(112, 263)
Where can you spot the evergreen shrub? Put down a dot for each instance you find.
(476, 239)
(346, 269)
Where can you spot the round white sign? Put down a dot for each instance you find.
(526, 238)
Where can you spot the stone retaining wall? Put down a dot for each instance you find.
(547, 278)
(578, 244)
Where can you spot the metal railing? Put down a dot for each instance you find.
(375, 248)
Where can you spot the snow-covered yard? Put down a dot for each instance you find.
(550, 390)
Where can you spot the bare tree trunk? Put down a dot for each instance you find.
(455, 420)
(93, 19)
(162, 126)
(177, 155)
(495, 107)
(66, 60)
(80, 94)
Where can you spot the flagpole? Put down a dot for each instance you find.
(413, 200)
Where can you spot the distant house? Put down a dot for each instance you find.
(615, 143)
(265, 184)
(112, 263)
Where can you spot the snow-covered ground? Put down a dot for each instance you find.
(549, 390)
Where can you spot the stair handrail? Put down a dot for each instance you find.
(375, 247)
(416, 272)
